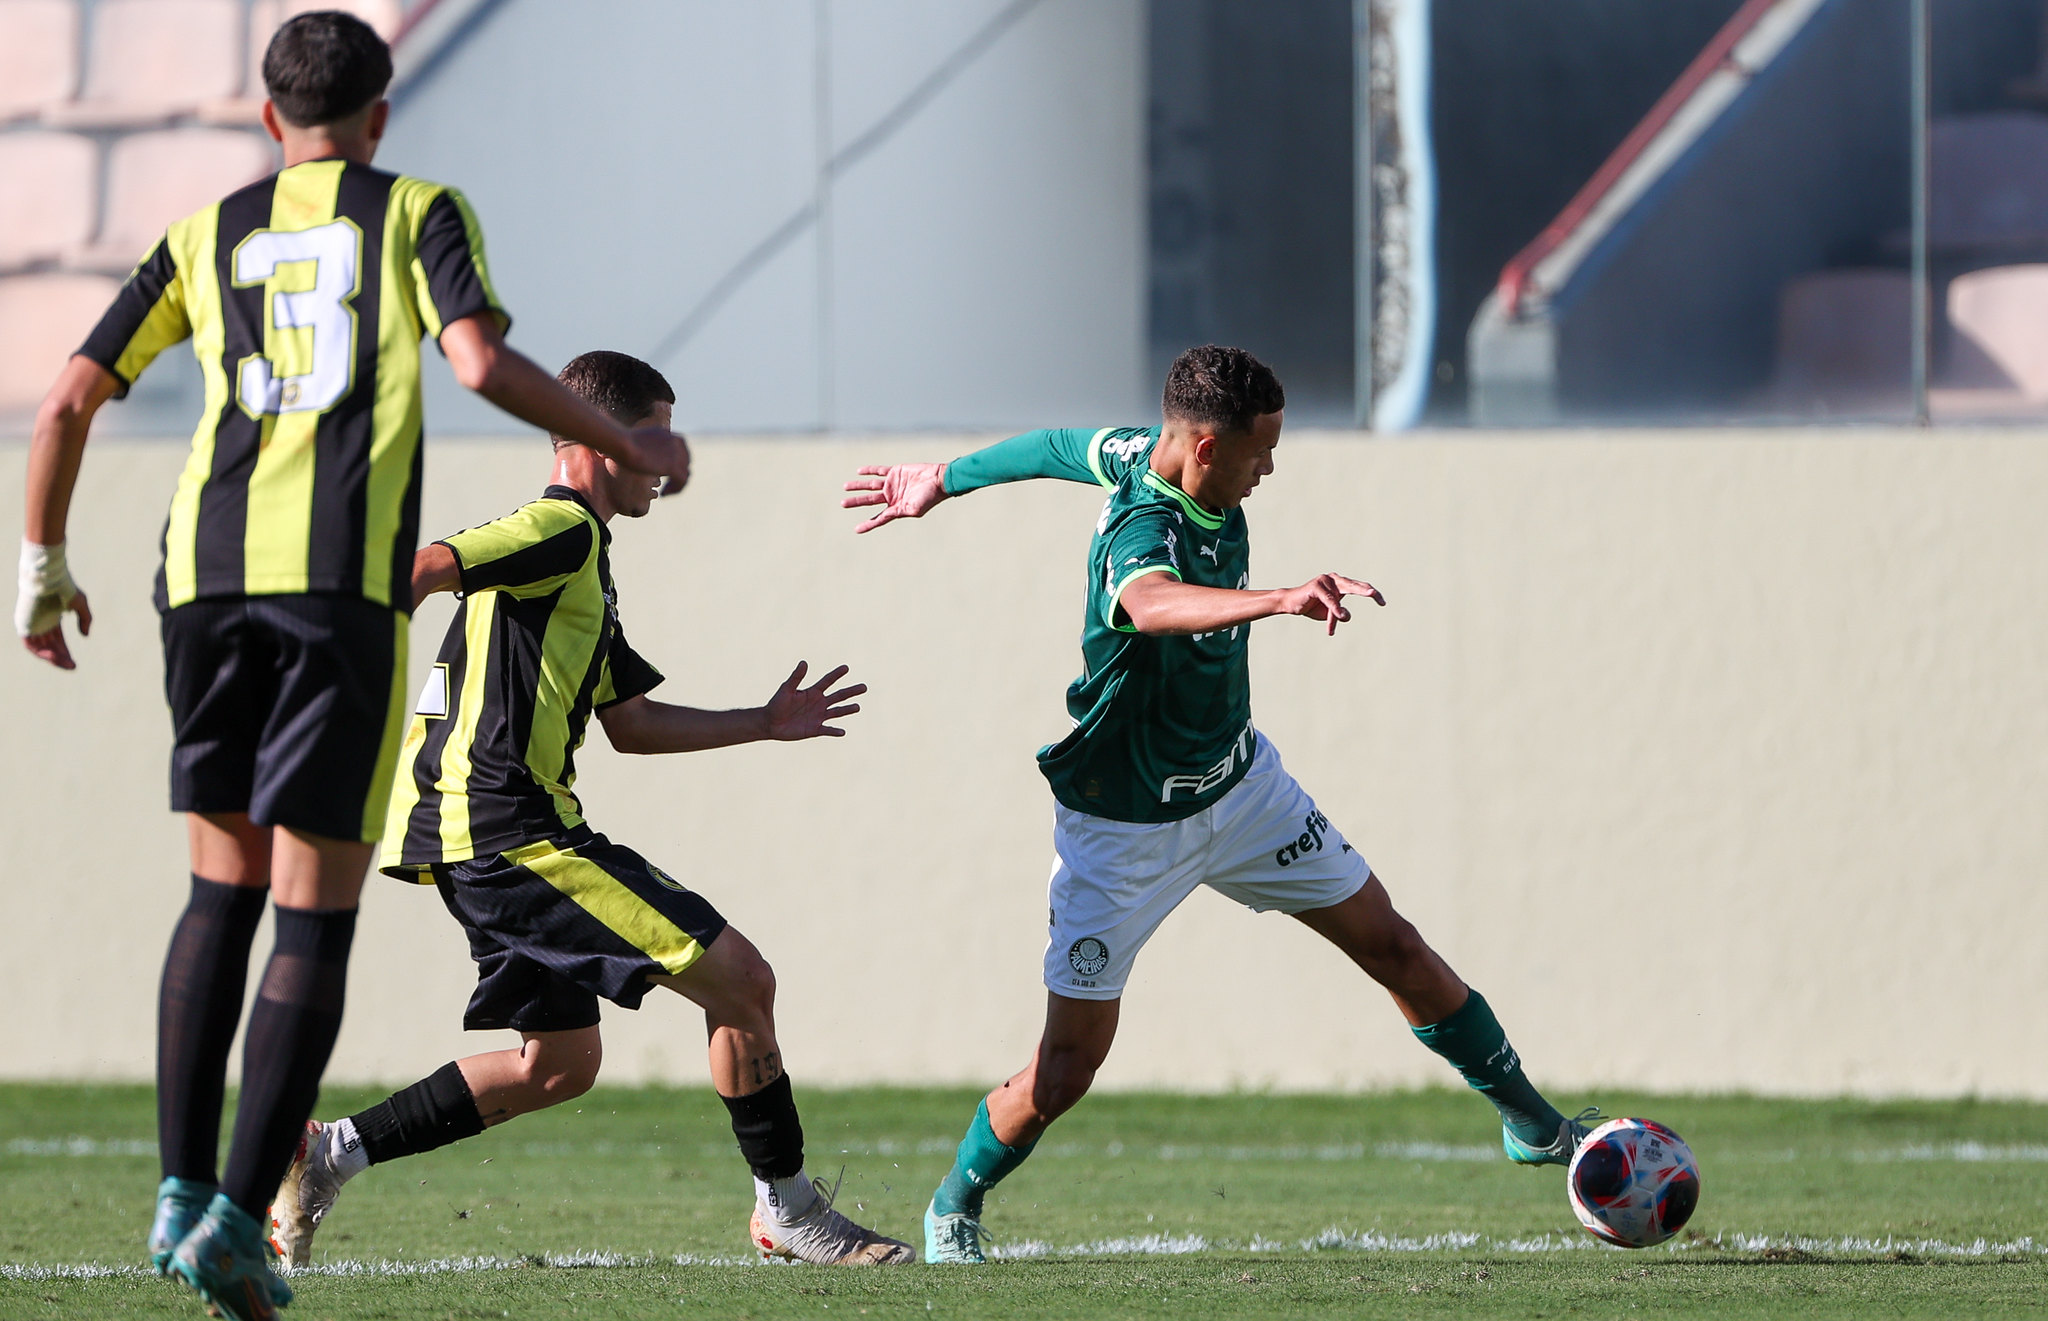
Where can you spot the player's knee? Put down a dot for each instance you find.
(1403, 945)
(753, 985)
(564, 1072)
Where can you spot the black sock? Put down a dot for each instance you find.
(433, 1112)
(197, 1008)
(291, 1033)
(771, 1137)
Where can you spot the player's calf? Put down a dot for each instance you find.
(1448, 1017)
(1010, 1120)
(433, 1112)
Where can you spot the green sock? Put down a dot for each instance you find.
(1472, 1040)
(978, 1166)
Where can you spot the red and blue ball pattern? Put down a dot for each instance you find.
(1633, 1182)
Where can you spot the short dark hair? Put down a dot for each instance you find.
(622, 386)
(325, 66)
(1224, 388)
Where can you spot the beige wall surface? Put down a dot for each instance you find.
(1716, 759)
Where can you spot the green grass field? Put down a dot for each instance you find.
(633, 1203)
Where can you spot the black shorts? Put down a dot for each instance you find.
(553, 927)
(288, 708)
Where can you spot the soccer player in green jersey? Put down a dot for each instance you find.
(284, 591)
(1165, 783)
(558, 916)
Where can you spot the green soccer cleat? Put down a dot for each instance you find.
(179, 1204)
(226, 1261)
(953, 1240)
(1570, 1134)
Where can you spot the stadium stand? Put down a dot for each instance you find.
(1988, 194)
(155, 177)
(1744, 251)
(42, 318)
(38, 55)
(1845, 337)
(150, 61)
(2001, 314)
(46, 209)
(116, 118)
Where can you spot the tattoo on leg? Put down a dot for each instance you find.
(767, 1068)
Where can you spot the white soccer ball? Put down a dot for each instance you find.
(1633, 1182)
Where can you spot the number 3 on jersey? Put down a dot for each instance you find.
(309, 329)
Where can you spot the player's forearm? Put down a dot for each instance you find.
(1018, 459)
(520, 386)
(57, 448)
(657, 727)
(434, 569)
(1160, 605)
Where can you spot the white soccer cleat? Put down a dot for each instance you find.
(304, 1198)
(824, 1237)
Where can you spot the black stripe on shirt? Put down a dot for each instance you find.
(223, 521)
(343, 441)
(131, 307)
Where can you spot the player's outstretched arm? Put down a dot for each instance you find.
(55, 453)
(912, 490)
(1160, 604)
(484, 362)
(640, 724)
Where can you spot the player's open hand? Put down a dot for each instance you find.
(1322, 598)
(904, 490)
(796, 712)
(50, 644)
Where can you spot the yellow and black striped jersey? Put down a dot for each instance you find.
(305, 296)
(533, 650)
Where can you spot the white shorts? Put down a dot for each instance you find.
(1263, 844)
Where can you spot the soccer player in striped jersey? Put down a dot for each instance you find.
(285, 590)
(1165, 783)
(558, 916)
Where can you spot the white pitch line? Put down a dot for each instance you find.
(1960, 1152)
(1968, 1153)
(1334, 1239)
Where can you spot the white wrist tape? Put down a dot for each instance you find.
(46, 588)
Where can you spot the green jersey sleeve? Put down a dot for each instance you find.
(624, 674)
(530, 550)
(1099, 457)
(1146, 540)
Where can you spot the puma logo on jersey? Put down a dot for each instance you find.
(1210, 551)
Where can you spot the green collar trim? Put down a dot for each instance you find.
(1201, 516)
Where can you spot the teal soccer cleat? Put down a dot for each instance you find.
(953, 1240)
(1570, 1134)
(179, 1204)
(226, 1261)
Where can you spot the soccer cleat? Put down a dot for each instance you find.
(1570, 1134)
(953, 1240)
(226, 1261)
(304, 1198)
(179, 1204)
(824, 1237)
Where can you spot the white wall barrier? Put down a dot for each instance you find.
(1717, 760)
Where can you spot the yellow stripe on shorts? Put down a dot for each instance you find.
(609, 900)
